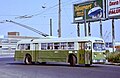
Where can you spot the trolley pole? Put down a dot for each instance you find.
(113, 34)
(89, 32)
(101, 35)
(85, 22)
(78, 30)
(59, 20)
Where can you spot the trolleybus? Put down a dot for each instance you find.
(74, 51)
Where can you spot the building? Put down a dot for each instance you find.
(14, 33)
(110, 47)
(8, 43)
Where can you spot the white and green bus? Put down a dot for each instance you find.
(70, 50)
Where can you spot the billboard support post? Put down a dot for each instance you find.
(101, 35)
(89, 33)
(78, 30)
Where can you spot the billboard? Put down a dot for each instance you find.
(114, 8)
(94, 10)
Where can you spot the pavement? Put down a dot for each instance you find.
(12, 55)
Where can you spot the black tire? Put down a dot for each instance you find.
(87, 65)
(73, 60)
(43, 63)
(28, 59)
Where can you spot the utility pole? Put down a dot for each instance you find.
(50, 27)
(113, 34)
(85, 22)
(59, 19)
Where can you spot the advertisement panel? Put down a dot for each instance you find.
(94, 10)
(114, 8)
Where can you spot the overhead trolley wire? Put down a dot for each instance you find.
(47, 9)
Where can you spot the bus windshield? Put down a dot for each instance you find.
(98, 46)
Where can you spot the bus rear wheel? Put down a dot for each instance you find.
(28, 59)
(72, 60)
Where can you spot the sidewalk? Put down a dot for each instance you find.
(6, 55)
(110, 63)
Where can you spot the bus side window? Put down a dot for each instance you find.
(63, 45)
(87, 46)
(18, 46)
(50, 46)
(82, 46)
(43, 46)
(27, 47)
(56, 46)
(71, 45)
(22, 47)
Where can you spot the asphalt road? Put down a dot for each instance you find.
(11, 69)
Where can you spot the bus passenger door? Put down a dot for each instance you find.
(85, 53)
(88, 53)
(35, 51)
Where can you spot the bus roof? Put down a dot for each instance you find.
(67, 39)
(83, 39)
(25, 41)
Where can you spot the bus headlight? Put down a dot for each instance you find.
(94, 55)
(104, 55)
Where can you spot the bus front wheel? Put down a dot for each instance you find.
(28, 59)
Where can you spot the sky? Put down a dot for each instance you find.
(40, 20)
